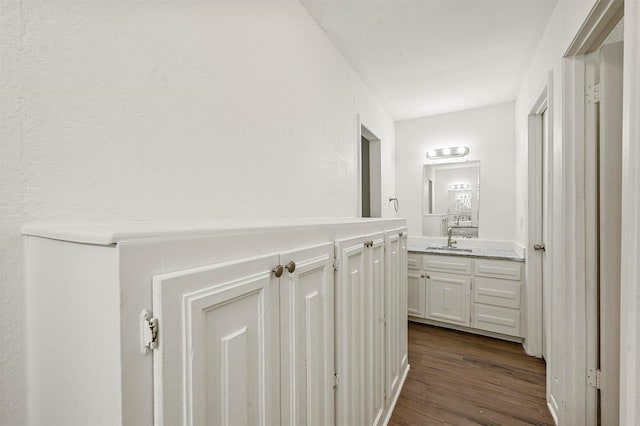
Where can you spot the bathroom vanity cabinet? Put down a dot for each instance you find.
(185, 324)
(477, 294)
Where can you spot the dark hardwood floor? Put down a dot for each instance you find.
(458, 378)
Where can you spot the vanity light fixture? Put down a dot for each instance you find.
(454, 151)
(459, 186)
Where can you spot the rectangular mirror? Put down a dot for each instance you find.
(451, 199)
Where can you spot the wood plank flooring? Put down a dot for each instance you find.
(459, 378)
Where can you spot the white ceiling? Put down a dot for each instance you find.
(427, 57)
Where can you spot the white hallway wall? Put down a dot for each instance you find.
(489, 133)
(168, 110)
(563, 26)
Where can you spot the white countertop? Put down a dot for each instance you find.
(478, 252)
(106, 233)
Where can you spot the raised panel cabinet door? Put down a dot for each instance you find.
(402, 310)
(448, 298)
(306, 336)
(218, 357)
(416, 294)
(351, 331)
(376, 342)
(393, 301)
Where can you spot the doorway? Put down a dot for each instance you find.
(370, 174)
(603, 158)
(592, 81)
(542, 303)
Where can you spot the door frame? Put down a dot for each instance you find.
(375, 174)
(629, 268)
(575, 247)
(544, 101)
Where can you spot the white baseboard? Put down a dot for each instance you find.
(396, 396)
(553, 413)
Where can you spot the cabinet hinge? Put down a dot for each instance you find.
(593, 378)
(148, 332)
(335, 263)
(592, 94)
(335, 380)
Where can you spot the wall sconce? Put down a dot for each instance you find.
(454, 151)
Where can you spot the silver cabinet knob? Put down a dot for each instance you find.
(291, 266)
(278, 271)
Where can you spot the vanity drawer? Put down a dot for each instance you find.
(451, 264)
(503, 269)
(498, 320)
(496, 292)
(413, 261)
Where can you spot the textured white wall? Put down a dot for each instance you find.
(168, 110)
(490, 135)
(565, 21)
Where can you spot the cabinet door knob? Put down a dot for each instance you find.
(291, 266)
(401, 234)
(422, 276)
(278, 270)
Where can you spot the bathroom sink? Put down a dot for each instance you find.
(445, 248)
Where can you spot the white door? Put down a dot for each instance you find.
(360, 330)
(416, 296)
(351, 331)
(546, 237)
(375, 396)
(448, 298)
(402, 307)
(306, 336)
(218, 357)
(393, 302)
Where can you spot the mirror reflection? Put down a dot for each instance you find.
(450, 199)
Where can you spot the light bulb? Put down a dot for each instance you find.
(432, 153)
(446, 151)
(460, 150)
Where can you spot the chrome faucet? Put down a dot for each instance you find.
(450, 242)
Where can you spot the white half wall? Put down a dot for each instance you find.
(169, 110)
(490, 135)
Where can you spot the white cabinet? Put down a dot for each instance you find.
(396, 309)
(307, 337)
(360, 311)
(416, 294)
(253, 346)
(496, 296)
(371, 342)
(218, 357)
(291, 325)
(416, 287)
(476, 294)
(448, 298)
(448, 289)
